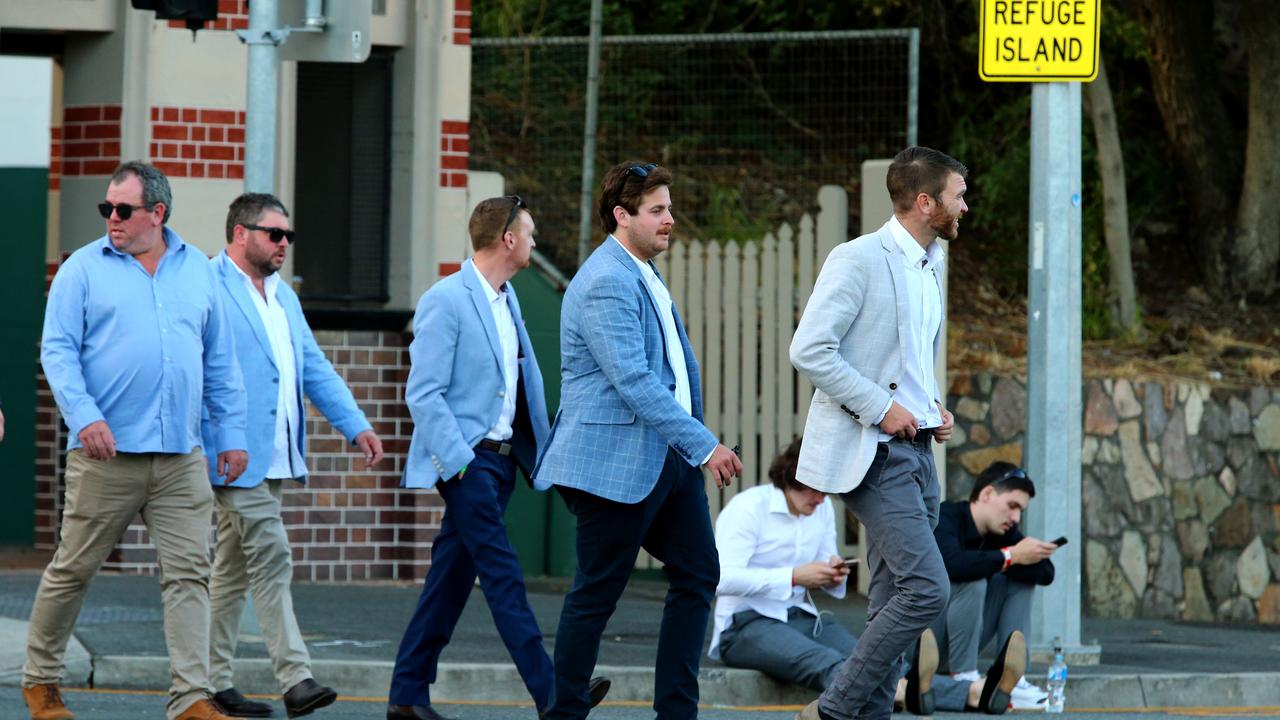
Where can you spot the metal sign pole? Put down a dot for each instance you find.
(1052, 445)
(260, 107)
(589, 132)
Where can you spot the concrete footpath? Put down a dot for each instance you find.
(353, 632)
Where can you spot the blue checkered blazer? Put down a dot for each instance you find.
(618, 411)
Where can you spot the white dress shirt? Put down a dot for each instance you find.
(918, 388)
(675, 351)
(286, 461)
(760, 541)
(510, 344)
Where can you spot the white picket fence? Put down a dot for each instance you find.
(740, 302)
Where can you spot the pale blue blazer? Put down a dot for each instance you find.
(456, 386)
(316, 378)
(618, 411)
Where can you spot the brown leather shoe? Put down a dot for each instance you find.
(44, 702)
(203, 710)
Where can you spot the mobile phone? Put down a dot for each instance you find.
(1060, 541)
(845, 562)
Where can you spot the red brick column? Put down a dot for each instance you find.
(461, 22)
(198, 142)
(90, 140)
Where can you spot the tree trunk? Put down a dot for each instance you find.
(1115, 202)
(1257, 238)
(1185, 78)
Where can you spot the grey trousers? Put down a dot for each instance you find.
(791, 651)
(897, 502)
(253, 555)
(978, 613)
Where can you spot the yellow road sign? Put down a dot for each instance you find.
(1039, 40)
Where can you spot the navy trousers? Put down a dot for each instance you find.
(473, 540)
(674, 525)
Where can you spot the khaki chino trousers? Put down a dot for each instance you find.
(172, 492)
(253, 555)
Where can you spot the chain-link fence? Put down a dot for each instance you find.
(750, 124)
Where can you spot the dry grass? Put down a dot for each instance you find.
(1262, 368)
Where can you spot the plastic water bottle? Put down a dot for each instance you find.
(1056, 681)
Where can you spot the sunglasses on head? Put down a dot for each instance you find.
(276, 234)
(123, 210)
(1010, 474)
(641, 171)
(516, 205)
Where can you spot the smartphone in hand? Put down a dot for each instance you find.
(1060, 541)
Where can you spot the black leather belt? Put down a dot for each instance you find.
(502, 448)
(922, 438)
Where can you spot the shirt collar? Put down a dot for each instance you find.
(489, 293)
(171, 241)
(269, 284)
(645, 269)
(778, 502)
(912, 248)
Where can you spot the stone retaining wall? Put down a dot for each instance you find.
(1181, 486)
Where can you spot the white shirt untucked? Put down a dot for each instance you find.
(509, 341)
(286, 461)
(918, 387)
(759, 542)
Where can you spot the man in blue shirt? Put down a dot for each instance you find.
(135, 343)
(281, 363)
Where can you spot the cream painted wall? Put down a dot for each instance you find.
(210, 72)
(99, 15)
(94, 68)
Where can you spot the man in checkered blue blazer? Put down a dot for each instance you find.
(626, 447)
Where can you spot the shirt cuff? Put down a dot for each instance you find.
(707, 459)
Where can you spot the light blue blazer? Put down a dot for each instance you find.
(316, 378)
(618, 411)
(456, 384)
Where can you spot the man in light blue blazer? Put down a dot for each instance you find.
(626, 448)
(475, 394)
(281, 363)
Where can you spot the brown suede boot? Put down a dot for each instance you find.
(203, 710)
(45, 703)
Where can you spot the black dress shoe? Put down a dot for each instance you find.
(924, 663)
(237, 705)
(306, 697)
(414, 712)
(1003, 675)
(597, 689)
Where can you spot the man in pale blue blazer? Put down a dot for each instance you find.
(281, 363)
(475, 394)
(626, 448)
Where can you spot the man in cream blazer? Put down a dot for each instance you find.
(867, 341)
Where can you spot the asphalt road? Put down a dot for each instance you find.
(131, 705)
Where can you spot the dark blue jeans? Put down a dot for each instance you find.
(473, 540)
(674, 525)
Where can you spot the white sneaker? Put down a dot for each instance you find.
(967, 676)
(1026, 696)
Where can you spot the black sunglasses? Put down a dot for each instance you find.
(1014, 473)
(276, 234)
(516, 205)
(124, 210)
(641, 171)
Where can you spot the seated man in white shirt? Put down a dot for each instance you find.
(776, 543)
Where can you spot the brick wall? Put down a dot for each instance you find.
(461, 22)
(232, 15)
(348, 523)
(453, 153)
(90, 140)
(198, 142)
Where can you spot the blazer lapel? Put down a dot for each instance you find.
(481, 301)
(621, 255)
(234, 283)
(893, 256)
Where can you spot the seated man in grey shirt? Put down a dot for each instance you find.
(777, 543)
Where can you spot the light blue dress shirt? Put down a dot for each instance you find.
(142, 352)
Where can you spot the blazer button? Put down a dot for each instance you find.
(273, 411)
(893, 386)
(671, 387)
(275, 380)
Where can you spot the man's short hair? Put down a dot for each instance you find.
(920, 170)
(782, 471)
(1004, 477)
(485, 226)
(624, 185)
(155, 186)
(249, 208)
